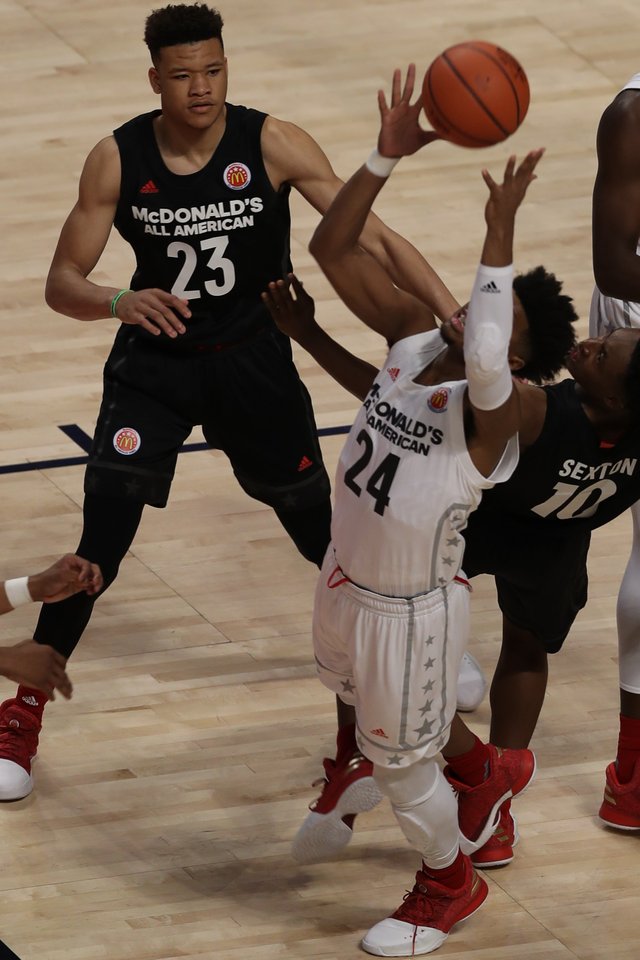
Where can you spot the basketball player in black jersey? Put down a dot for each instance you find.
(579, 470)
(200, 190)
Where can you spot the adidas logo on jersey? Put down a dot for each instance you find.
(379, 732)
(31, 701)
(393, 372)
(490, 287)
(149, 187)
(304, 464)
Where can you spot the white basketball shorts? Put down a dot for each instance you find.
(396, 660)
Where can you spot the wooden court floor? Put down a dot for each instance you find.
(169, 789)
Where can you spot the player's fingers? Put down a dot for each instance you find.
(488, 179)
(382, 103)
(509, 167)
(409, 83)
(395, 88)
(154, 318)
(173, 302)
(298, 288)
(281, 295)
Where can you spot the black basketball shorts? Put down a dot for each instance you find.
(540, 570)
(247, 397)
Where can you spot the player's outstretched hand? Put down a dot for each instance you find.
(400, 130)
(293, 316)
(36, 665)
(155, 310)
(68, 575)
(506, 197)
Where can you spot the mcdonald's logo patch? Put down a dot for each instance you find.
(237, 176)
(438, 400)
(126, 441)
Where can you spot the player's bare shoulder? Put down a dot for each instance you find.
(102, 171)
(290, 153)
(620, 123)
(533, 410)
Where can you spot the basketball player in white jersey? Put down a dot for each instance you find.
(615, 304)
(391, 610)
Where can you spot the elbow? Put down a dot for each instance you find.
(51, 294)
(317, 246)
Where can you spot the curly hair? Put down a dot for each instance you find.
(181, 23)
(631, 384)
(550, 315)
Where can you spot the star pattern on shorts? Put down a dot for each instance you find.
(425, 728)
(447, 561)
(429, 641)
(428, 687)
(426, 708)
(430, 663)
(395, 760)
(453, 542)
(347, 686)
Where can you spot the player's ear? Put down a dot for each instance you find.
(154, 80)
(515, 362)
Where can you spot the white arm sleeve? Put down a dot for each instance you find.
(487, 334)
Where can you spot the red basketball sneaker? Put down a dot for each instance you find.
(510, 772)
(19, 731)
(621, 805)
(349, 788)
(498, 850)
(426, 916)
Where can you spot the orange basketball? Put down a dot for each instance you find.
(475, 94)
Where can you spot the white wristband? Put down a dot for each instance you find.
(17, 591)
(379, 165)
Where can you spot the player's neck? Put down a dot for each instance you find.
(448, 365)
(609, 428)
(187, 149)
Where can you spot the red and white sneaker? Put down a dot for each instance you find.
(498, 850)
(349, 788)
(426, 916)
(621, 804)
(19, 731)
(510, 773)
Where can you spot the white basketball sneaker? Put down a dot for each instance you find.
(472, 684)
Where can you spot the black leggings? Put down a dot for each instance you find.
(110, 524)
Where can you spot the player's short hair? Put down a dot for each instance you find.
(181, 23)
(550, 317)
(631, 384)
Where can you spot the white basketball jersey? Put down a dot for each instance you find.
(405, 482)
(608, 313)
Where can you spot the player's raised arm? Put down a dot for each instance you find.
(494, 400)
(616, 200)
(292, 156)
(365, 286)
(295, 316)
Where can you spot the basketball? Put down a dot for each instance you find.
(475, 94)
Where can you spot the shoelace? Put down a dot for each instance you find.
(416, 903)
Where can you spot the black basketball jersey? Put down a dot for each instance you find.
(566, 474)
(215, 237)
